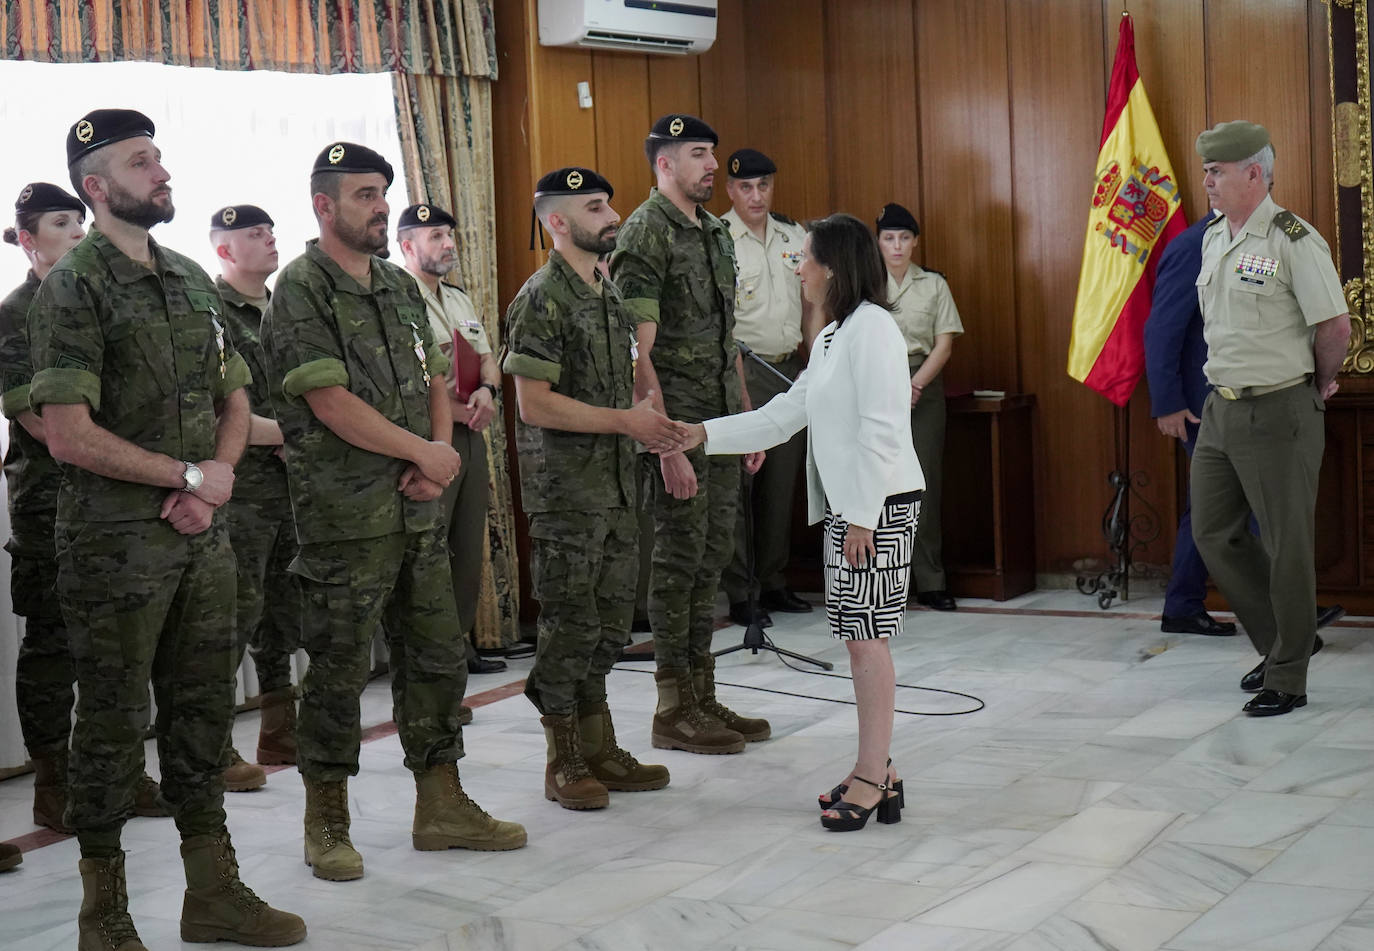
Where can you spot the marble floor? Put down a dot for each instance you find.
(1109, 796)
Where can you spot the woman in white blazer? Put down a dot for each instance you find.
(862, 477)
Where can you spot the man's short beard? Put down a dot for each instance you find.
(698, 192)
(360, 239)
(435, 266)
(589, 241)
(144, 214)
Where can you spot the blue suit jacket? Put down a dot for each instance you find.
(1175, 350)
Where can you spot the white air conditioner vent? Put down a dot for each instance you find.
(679, 27)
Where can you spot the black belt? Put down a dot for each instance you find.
(901, 498)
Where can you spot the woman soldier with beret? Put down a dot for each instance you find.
(48, 224)
(925, 312)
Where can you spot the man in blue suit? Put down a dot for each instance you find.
(1175, 352)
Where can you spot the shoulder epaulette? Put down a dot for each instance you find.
(1213, 223)
(456, 287)
(1289, 224)
(783, 218)
(931, 270)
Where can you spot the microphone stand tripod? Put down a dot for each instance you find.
(754, 638)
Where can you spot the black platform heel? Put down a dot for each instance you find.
(854, 817)
(838, 792)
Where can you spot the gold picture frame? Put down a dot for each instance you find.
(1353, 167)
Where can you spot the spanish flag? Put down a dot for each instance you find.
(1135, 212)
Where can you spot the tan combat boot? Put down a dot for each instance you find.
(240, 776)
(567, 780)
(277, 732)
(328, 850)
(104, 923)
(681, 724)
(50, 791)
(219, 907)
(610, 765)
(10, 856)
(464, 714)
(753, 729)
(447, 818)
(148, 799)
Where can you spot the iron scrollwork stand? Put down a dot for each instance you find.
(1126, 534)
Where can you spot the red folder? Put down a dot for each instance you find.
(467, 367)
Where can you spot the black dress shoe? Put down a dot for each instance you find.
(1200, 623)
(481, 665)
(1272, 703)
(739, 613)
(1254, 680)
(784, 601)
(940, 600)
(1328, 615)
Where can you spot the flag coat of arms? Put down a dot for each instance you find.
(1136, 210)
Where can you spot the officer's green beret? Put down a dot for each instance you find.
(893, 217)
(102, 127)
(38, 197)
(572, 181)
(425, 216)
(1232, 141)
(749, 163)
(238, 217)
(681, 127)
(353, 159)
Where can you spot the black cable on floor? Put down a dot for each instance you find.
(851, 703)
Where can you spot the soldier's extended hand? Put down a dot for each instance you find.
(679, 478)
(438, 462)
(187, 513)
(218, 483)
(657, 432)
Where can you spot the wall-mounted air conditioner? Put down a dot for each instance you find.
(641, 26)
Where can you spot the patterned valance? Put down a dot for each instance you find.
(428, 37)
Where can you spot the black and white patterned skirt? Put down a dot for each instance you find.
(869, 602)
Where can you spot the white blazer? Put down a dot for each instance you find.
(855, 398)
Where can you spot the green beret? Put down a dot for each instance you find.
(102, 127)
(1232, 141)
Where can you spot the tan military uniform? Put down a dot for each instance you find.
(1262, 436)
(465, 501)
(768, 317)
(925, 309)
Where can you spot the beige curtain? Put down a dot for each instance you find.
(445, 126)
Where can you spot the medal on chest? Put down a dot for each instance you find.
(420, 353)
(219, 342)
(792, 259)
(1254, 268)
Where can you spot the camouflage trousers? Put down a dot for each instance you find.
(401, 582)
(263, 534)
(43, 675)
(693, 541)
(144, 602)
(583, 568)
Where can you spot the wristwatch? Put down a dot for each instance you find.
(192, 476)
(495, 393)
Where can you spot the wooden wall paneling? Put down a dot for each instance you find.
(967, 179)
(787, 101)
(674, 85)
(874, 132)
(1057, 97)
(1258, 65)
(724, 74)
(620, 96)
(512, 145)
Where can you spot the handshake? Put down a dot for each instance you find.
(659, 434)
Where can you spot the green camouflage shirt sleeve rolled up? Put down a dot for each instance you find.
(32, 476)
(16, 366)
(536, 345)
(639, 266)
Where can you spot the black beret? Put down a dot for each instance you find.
(683, 128)
(38, 197)
(353, 159)
(238, 217)
(572, 181)
(425, 216)
(102, 127)
(749, 163)
(894, 217)
(1232, 141)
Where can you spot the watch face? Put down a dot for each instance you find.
(194, 477)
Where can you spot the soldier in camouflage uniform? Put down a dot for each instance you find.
(260, 524)
(134, 376)
(48, 223)
(675, 264)
(570, 340)
(357, 381)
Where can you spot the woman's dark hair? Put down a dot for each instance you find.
(23, 221)
(844, 244)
